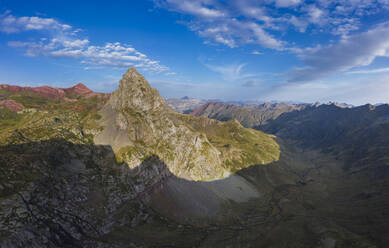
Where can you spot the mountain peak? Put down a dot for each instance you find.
(135, 92)
(80, 89)
(80, 86)
(132, 79)
(132, 76)
(133, 71)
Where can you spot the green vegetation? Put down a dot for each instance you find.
(240, 147)
(45, 119)
(8, 118)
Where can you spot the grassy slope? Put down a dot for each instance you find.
(49, 119)
(240, 147)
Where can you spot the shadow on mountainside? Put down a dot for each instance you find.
(57, 193)
(61, 194)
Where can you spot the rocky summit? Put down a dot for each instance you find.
(125, 170)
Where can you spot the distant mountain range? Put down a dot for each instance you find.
(248, 115)
(187, 104)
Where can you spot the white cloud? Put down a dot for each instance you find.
(232, 72)
(301, 25)
(197, 8)
(63, 41)
(287, 3)
(351, 51)
(229, 72)
(235, 23)
(12, 24)
(233, 33)
(315, 14)
(380, 70)
(262, 37)
(347, 26)
(219, 23)
(255, 52)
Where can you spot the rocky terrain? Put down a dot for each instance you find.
(252, 116)
(84, 169)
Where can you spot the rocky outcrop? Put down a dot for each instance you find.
(11, 105)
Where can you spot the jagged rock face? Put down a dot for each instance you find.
(59, 194)
(135, 92)
(152, 128)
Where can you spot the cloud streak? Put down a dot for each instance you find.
(232, 72)
(351, 51)
(380, 70)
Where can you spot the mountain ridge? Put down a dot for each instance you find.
(249, 116)
(78, 90)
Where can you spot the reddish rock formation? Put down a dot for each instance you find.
(11, 105)
(46, 91)
(49, 92)
(56, 93)
(79, 89)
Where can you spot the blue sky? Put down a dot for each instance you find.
(287, 50)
